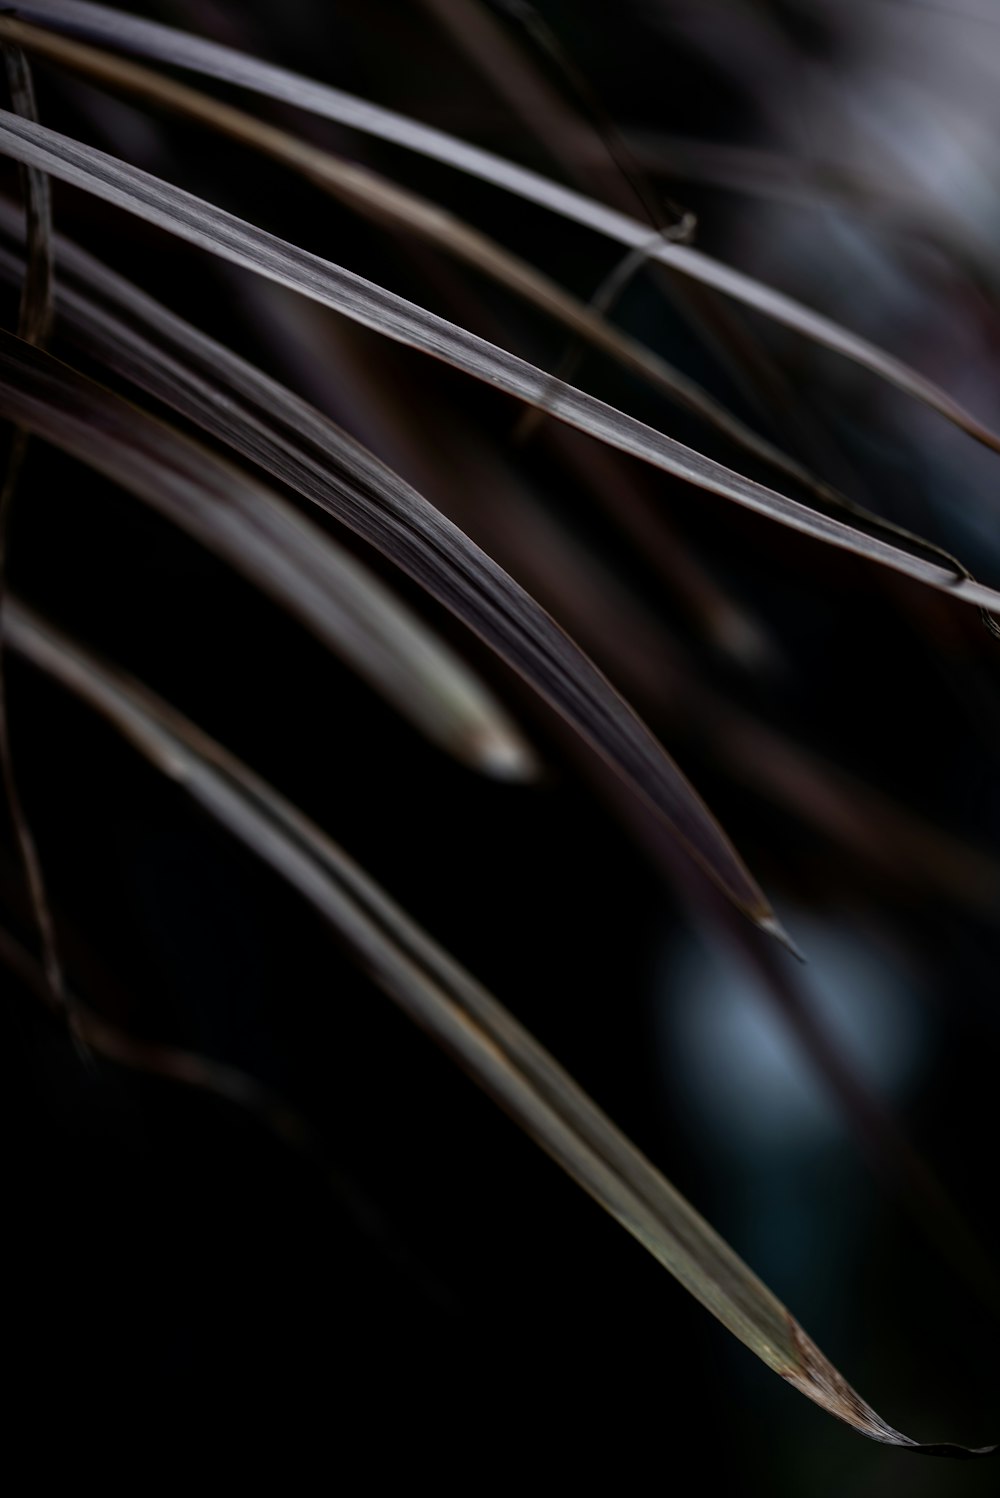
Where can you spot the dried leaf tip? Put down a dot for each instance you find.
(817, 1378)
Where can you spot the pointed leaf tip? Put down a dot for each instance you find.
(773, 927)
(816, 1377)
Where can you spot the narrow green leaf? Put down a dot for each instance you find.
(466, 1020)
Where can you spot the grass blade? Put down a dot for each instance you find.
(264, 538)
(138, 338)
(296, 444)
(37, 301)
(211, 228)
(182, 49)
(34, 322)
(467, 1021)
(382, 201)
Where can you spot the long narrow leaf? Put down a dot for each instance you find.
(382, 200)
(37, 302)
(163, 43)
(375, 633)
(211, 228)
(297, 445)
(270, 426)
(264, 422)
(468, 1022)
(263, 537)
(198, 376)
(35, 314)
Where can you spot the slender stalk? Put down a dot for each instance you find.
(35, 319)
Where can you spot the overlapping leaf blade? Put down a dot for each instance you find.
(267, 540)
(304, 450)
(465, 1019)
(34, 324)
(211, 228)
(183, 49)
(385, 202)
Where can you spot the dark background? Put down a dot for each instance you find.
(420, 1288)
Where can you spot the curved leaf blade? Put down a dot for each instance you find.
(209, 384)
(221, 233)
(467, 1021)
(205, 494)
(34, 323)
(183, 49)
(371, 194)
(317, 582)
